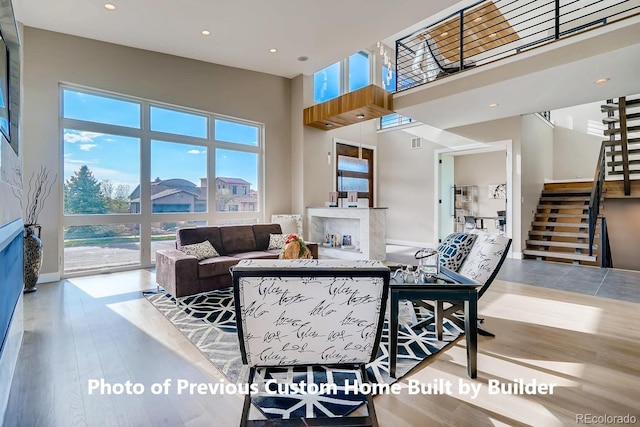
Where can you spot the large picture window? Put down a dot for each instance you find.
(135, 170)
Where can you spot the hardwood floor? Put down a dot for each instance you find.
(98, 327)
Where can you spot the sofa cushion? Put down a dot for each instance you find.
(216, 266)
(262, 233)
(276, 241)
(484, 257)
(455, 249)
(191, 235)
(237, 238)
(257, 255)
(200, 250)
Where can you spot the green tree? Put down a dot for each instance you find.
(83, 194)
(116, 196)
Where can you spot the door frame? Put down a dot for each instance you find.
(336, 140)
(510, 180)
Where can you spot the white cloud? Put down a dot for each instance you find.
(74, 136)
(196, 152)
(87, 147)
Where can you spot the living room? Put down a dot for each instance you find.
(295, 174)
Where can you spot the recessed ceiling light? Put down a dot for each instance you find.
(360, 116)
(273, 50)
(110, 6)
(493, 105)
(600, 81)
(205, 32)
(302, 58)
(445, 34)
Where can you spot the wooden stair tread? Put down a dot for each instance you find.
(631, 172)
(615, 131)
(632, 102)
(616, 142)
(615, 119)
(560, 255)
(560, 224)
(551, 233)
(561, 207)
(574, 245)
(561, 215)
(562, 191)
(564, 199)
(610, 106)
(619, 162)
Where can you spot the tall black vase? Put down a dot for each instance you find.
(32, 256)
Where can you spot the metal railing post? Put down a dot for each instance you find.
(462, 40)
(557, 20)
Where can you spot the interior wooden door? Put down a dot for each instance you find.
(354, 172)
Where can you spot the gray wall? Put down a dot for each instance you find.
(51, 58)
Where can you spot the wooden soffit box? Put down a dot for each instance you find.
(371, 102)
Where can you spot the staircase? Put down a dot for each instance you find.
(560, 229)
(623, 145)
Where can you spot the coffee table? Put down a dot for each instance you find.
(449, 286)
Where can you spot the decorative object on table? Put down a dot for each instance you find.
(497, 191)
(352, 199)
(294, 248)
(428, 265)
(39, 189)
(333, 199)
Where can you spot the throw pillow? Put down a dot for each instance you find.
(484, 256)
(200, 250)
(455, 249)
(276, 241)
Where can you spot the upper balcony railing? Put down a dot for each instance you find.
(493, 30)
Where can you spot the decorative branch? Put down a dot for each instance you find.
(39, 189)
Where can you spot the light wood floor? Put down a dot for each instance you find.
(101, 327)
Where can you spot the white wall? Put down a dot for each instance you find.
(537, 165)
(502, 130)
(407, 187)
(493, 170)
(575, 154)
(51, 58)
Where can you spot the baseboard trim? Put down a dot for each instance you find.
(409, 243)
(49, 277)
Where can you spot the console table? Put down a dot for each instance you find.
(365, 226)
(450, 286)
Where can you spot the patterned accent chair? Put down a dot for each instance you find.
(481, 261)
(293, 313)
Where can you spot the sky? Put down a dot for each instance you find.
(117, 157)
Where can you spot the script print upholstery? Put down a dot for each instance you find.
(484, 257)
(309, 320)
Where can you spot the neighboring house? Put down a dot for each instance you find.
(181, 195)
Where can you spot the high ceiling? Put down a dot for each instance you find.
(242, 31)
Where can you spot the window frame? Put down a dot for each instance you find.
(343, 79)
(145, 217)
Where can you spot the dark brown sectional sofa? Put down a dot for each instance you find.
(181, 274)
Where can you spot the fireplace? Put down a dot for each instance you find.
(11, 283)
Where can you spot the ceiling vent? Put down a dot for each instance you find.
(416, 143)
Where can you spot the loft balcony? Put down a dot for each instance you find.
(524, 56)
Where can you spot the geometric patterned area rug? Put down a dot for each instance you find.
(208, 321)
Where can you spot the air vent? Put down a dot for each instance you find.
(416, 143)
